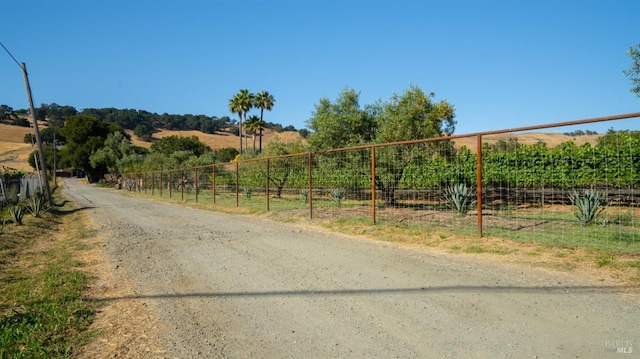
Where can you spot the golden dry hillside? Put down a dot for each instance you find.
(14, 153)
(551, 139)
(220, 139)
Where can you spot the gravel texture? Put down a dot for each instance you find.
(229, 286)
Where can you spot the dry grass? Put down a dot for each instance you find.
(218, 140)
(532, 138)
(14, 153)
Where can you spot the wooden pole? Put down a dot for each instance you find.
(479, 184)
(267, 185)
(237, 188)
(55, 148)
(373, 185)
(310, 189)
(32, 109)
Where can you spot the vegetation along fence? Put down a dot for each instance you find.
(572, 191)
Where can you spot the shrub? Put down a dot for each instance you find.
(588, 205)
(460, 197)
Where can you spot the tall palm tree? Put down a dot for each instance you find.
(247, 103)
(235, 106)
(260, 126)
(264, 101)
(241, 103)
(252, 124)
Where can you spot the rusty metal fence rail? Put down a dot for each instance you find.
(478, 189)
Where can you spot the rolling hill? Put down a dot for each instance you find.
(14, 153)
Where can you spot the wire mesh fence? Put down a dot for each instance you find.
(570, 193)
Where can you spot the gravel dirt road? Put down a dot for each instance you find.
(226, 286)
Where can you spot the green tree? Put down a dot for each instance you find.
(156, 161)
(21, 121)
(283, 168)
(411, 116)
(116, 147)
(226, 154)
(144, 131)
(264, 101)
(48, 157)
(84, 135)
(633, 72)
(48, 134)
(5, 112)
(341, 123)
(29, 138)
(170, 144)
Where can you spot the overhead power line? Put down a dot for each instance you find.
(9, 52)
(43, 166)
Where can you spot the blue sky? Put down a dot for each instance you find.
(503, 64)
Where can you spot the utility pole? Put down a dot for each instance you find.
(55, 165)
(32, 109)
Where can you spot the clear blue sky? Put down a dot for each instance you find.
(502, 63)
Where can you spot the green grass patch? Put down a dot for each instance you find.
(42, 310)
(493, 250)
(604, 260)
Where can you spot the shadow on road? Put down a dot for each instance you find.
(352, 292)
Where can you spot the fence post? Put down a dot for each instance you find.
(479, 184)
(237, 184)
(161, 184)
(153, 183)
(144, 185)
(195, 182)
(310, 193)
(267, 184)
(373, 185)
(182, 185)
(170, 185)
(213, 184)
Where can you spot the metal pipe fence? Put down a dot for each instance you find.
(512, 190)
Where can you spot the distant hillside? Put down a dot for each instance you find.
(14, 153)
(551, 139)
(220, 140)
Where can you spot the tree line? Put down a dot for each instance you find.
(142, 123)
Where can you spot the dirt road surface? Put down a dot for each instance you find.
(226, 286)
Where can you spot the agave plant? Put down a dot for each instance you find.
(460, 197)
(38, 204)
(248, 192)
(304, 195)
(17, 213)
(588, 205)
(337, 195)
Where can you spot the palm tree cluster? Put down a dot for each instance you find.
(244, 101)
